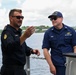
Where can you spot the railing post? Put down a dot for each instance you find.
(27, 66)
(70, 63)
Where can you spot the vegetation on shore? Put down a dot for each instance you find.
(39, 29)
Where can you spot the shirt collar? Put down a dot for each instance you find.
(13, 29)
(64, 27)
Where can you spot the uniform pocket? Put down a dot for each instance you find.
(68, 39)
(53, 41)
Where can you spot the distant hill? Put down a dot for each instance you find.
(39, 29)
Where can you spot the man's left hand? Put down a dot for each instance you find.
(36, 51)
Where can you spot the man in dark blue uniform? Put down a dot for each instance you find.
(14, 47)
(61, 39)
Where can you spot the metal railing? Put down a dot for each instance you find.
(27, 66)
(70, 63)
(70, 66)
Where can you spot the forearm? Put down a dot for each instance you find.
(29, 31)
(49, 61)
(74, 49)
(22, 38)
(47, 57)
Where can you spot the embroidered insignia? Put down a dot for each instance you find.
(5, 36)
(68, 34)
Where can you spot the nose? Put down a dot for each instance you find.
(21, 19)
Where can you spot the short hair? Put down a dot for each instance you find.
(14, 10)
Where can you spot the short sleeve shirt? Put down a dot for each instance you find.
(60, 42)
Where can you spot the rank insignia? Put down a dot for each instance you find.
(5, 36)
(68, 34)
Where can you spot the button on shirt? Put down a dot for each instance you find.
(60, 42)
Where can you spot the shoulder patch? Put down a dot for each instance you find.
(5, 36)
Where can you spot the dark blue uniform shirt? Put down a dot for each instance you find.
(60, 42)
(13, 53)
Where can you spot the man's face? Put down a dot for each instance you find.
(16, 19)
(56, 21)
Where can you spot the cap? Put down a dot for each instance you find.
(56, 13)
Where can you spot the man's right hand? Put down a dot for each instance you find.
(53, 69)
(29, 31)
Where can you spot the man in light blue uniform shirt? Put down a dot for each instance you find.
(61, 39)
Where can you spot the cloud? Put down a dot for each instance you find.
(36, 12)
(0, 2)
(3, 18)
(20, 2)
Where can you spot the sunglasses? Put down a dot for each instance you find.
(53, 18)
(19, 17)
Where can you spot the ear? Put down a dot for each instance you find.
(62, 19)
(10, 18)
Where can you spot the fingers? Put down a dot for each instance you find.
(53, 69)
(32, 30)
(29, 31)
(36, 52)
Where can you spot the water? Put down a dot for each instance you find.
(37, 66)
(35, 41)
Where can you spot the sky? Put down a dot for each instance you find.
(36, 12)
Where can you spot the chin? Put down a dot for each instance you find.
(54, 25)
(19, 25)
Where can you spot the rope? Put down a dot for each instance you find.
(38, 58)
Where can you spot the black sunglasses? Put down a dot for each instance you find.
(18, 17)
(53, 18)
